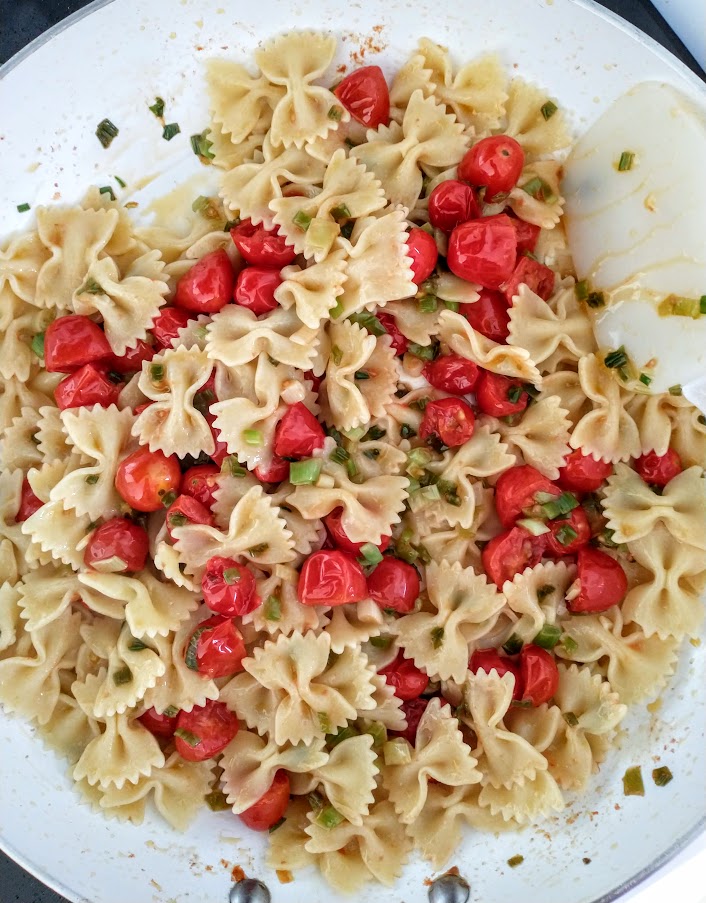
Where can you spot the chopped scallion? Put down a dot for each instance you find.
(137, 646)
(207, 207)
(533, 526)
(156, 373)
(106, 131)
(378, 732)
(675, 390)
(272, 609)
(170, 130)
(171, 711)
(368, 321)
(397, 752)
(339, 455)
(342, 211)
(569, 643)
(231, 575)
(662, 776)
(513, 645)
(120, 182)
(187, 736)
(381, 642)
(407, 432)
(329, 818)
(335, 113)
(595, 299)
(234, 467)
(626, 161)
(191, 657)
(361, 374)
(424, 352)
(106, 189)
(452, 305)
(581, 290)
(345, 733)
(158, 107)
(370, 554)
(276, 825)
(201, 146)
(122, 677)
(253, 437)
(302, 220)
(38, 344)
(336, 355)
(548, 109)
(514, 394)
(92, 479)
(571, 719)
(633, 785)
(437, 637)
(645, 379)
(615, 359)
(561, 505)
(216, 801)
(565, 535)
(428, 304)
(324, 722)
(23, 208)
(547, 637)
(168, 498)
(539, 189)
(307, 472)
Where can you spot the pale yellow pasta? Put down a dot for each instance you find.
(542, 437)
(352, 625)
(21, 259)
(19, 449)
(313, 291)
(537, 596)
(541, 206)
(236, 337)
(238, 100)
(542, 328)
(527, 124)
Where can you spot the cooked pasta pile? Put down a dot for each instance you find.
(107, 660)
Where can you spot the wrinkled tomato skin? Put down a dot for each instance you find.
(86, 387)
(483, 251)
(119, 538)
(578, 521)
(298, 433)
(234, 599)
(510, 553)
(582, 473)
(255, 289)
(538, 278)
(132, 360)
(338, 535)
(421, 247)
(263, 247)
(271, 806)
(490, 659)
(494, 163)
(187, 510)
(220, 648)
(413, 710)
(160, 725)
(208, 286)
(540, 676)
(452, 203)
(527, 234)
(144, 477)
(450, 420)
(603, 582)
(331, 578)
(489, 315)
(213, 724)
(201, 483)
(658, 470)
(405, 678)
(364, 93)
(29, 503)
(515, 492)
(398, 340)
(168, 323)
(452, 374)
(72, 341)
(493, 395)
(394, 584)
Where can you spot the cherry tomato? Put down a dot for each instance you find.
(576, 521)
(483, 250)
(229, 588)
(298, 433)
(271, 806)
(160, 725)
(29, 503)
(510, 553)
(216, 648)
(452, 374)
(540, 676)
(208, 285)
(331, 578)
(495, 163)
(145, 477)
(582, 473)
(274, 472)
(365, 95)
(132, 360)
(421, 247)
(394, 584)
(602, 580)
(534, 275)
(448, 420)
(527, 233)
(86, 387)
(201, 483)
(70, 342)
(405, 678)
(515, 492)
(262, 247)
(495, 394)
(489, 315)
(490, 659)
(341, 541)
(118, 538)
(187, 510)
(205, 731)
(451, 203)
(399, 341)
(168, 323)
(659, 469)
(255, 289)
(413, 710)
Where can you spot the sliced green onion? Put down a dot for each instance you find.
(335, 113)
(562, 504)
(569, 643)
(452, 305)
(645, 379)
(336, 355)
(345, 733)
(595, 299)
(513, 645)
(106, 131)
(253, 437)
(570, 719)
(378, 732)
(423, 352)
(514, 861)
(373, 434)
(120, 182)
(354, 434)
(514, 394)
(156, 373)
(678, 306)
(407, 432)
(315, 800)
(168, 498)
(417, 460)
(232, 466)
(201, 145)
(92, 479)
(397, 752)
(170, 130)
(437, 637)
(106, 189)
(702, 304)
(544, 591)
(548, 109)
(341, 212)
(368, 321)
(547, 637)
(329, 818)
(231, 575)
(171, 711)
(339, 455)
(675, 390)
(581, 290)
(122, 677)
(428, 304)
(38, 344)
(207, 207)
(324, 722)
(381, 642)
(617, 358)
(217, 801)
(158, 107)
(302, 220)
(430, 493)
(535, 527)
(626, 161)
(419, 404)
(566, 535)
(539, 190)
(23, 208)
(352, 469)
(370, 553)
(187, 736)
(137, 646)
(361, 374)
(191, 658)
(272, 609)
(662, 776)
(91, 287)
(633, 785)
(303, 473)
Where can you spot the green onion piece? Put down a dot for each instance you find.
(452, 305)
(633, 785)
(380, 642)
(423, 352)
(417, 459)
(122, 677)
(581, 290)
(569, 643)
(617, 358)
(187, 736)
(368, 321)
(171, 711)
(544, 591)
(538, 189)
(303, 473)
(645, 379)
(106, 131)
(548, 109)
(339, 455)
(217, 801)
(170, 130)
(626, 161)
(259, 549)
(276, 825)
(207, 207)
(547, 637)
(336, 310)
(566, 535)
(675, 390)
(23, 208)
(662, 776)
(253, 437)
(595, 299)
(272, 609)
(352, 469)
(232, 466)
(514, 393)
(354, 434)
(302, 220)
(345, 733)
(437, 637)
(106, 189)
(324, 722)
(378, 732)
(370, 553)
(419, 404)
(560, 505)
(201, 146)
(231, 575)
(407, 432)
(335, 113)
(397, 752)
(336, 355)
(90, 288)
(702, 304)
(38, 344)
(341, 212)
(137, 646)
(513, 645)
(156, 373)
(570, 719)
(92, 479)
(535, 527)
(361, 374)
(514, 861)
(373, 434)
(168, 498)
(329, 818)
(542, 497)
(192, 662)
(428, 304)
(158, 107)
(120, 182)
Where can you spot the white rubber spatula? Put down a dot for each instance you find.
(635, 185)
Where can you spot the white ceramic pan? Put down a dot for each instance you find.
(112, 60)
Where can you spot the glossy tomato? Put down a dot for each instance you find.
(510, 553)
(160, 725)
(489, 315)
(452, 203)
(540, 676)
(216, 648)
(494, 163)
(262, 247)
(132, 360)
(168, 323)
(603, 583)
(500, 396)
(335, 529)
(538, 278)
(490, 660)
(208, 285)
(255, 289)
(421, 247)
(201, 483)
(516, 490)
(449, 421)
(274, 472)
(205, 731)
(315, 380)
(29, 503)
(483, 250)
(658, 470)
(331, 578)
(394, 584)
(527, 233)
(229, 588)
(399, 341)
(582, 473)
(452, 374)
(118, 538)
(271, 806)
(568, 535)
(185, 509)
(144, 478)
(405, 678)
(413, 710)
(86, 387)
(70, 342)
(365, 95)
(298, 433)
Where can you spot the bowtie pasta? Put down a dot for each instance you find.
(342, 521)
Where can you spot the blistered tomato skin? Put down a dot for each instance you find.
(452, 374)
(85, 387)
(394, 584)
(577, 521)
(229, 588)
(201, 483)
(145, 477)
(398, 340)
(405, 678)
(494, 394)
(168, 323)
(338, 535)
(259, 246)
(421, 247)
(603, 582)
(364, 93)
(527, 234)
(450, 421)
(582, 473)
(483, 251)
(160, 725)
(540, 675)
(70, 342)
(255, 289)
(118, 538)
(187, 510)
(219, 648)
(29, 503)
(205, 731)
(515, 492)
(538, 278)
(208, 285)
(490, 659)
(509, 553)
(331, 578)
(658, 470)
(494, 163)
(298, 433)
(271, 806)
(489, 315)
(452, 203)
